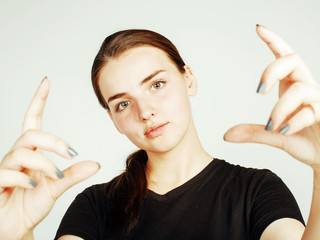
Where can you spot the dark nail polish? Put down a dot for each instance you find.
(269, 125)
(59, 173)
(259, 25)
(260, 87)
(33, 183)
(72, 152)
(44, 79)
(284, 129)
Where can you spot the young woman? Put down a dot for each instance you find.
(172, 188)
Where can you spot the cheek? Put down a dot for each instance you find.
(128, 126)
(123, 123)
(177, 103)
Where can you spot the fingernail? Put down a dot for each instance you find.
(259, 25)
(44, 79)
(59, 173)
(33, 183)
(260, 87)
(269, 125)
(284, 129)
(72, 152)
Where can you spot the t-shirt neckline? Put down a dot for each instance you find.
(183, 187)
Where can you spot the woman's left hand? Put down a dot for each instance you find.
(294, 124)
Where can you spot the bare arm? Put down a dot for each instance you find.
(294, 126)
(30, 182)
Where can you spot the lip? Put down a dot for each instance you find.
(155, 130)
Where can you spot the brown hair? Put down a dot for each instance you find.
(129, 189)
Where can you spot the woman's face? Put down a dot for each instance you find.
(148, 98)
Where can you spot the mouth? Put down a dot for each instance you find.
(155, 131)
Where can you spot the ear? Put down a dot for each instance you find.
(111, 117)
(191, 81)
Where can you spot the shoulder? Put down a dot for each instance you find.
(98, 190)
(95, 196)
(264, 193)
(86, 215)
(94, 191)
(239, 180)
(232, 172)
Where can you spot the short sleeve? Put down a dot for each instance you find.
(82, 218)
(273, 201)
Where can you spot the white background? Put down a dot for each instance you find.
(59, 39)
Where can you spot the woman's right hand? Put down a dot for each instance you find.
(30, 182)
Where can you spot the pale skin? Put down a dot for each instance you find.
(21, 204)
(298, 107)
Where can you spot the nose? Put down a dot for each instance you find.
(146, 109)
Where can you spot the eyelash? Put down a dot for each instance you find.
(162, 82)
(117, 108)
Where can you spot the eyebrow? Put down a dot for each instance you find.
(145, 80)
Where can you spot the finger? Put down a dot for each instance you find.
(302, 119)
(278, 46)
(292, 101)
(35, 139)
(252, 133)
(33, 116)
(290, 67)
(22, 158)
(11, 178)
(73, 175)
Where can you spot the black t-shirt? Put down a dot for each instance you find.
(223, 201)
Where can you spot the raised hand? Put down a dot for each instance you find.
(294, 123)
(30, 182)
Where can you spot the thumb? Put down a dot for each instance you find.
(73, 175)
(252, 133)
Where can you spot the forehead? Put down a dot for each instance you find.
(131, 67)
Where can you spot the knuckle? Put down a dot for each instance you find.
(298, 61)
(297, 87)
(17, 153)
(28, 135)
(315, 109)
(5, 159)
(295, 56)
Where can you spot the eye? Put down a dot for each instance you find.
(157, 85)
(122, 105)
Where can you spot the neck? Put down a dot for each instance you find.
(168, 170)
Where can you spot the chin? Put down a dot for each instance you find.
(159, 145)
